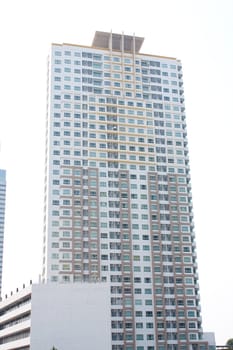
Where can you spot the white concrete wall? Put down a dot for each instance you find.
(210, 337)
(71, 316)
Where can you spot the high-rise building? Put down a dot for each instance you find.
(118, 203)
(2, 218)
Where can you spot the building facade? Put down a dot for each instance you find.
(2, 218)
(118, 203)
(61, 315)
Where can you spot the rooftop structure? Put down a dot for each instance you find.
(117, 42)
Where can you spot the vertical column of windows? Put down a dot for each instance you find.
(66, 225)
(2, 218)
(158, 204)
(78, 229)
(177, 254)
(115, 257)
(127, 263)
(54, 198)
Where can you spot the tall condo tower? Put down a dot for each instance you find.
(118, 203)
(2, 218)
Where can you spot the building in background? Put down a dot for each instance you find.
(118, 202)
(66, 316)
(2, 218)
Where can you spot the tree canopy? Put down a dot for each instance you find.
(230, 342)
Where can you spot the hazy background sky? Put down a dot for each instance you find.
(200, 33)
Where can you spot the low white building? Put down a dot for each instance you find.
(210, 338)
(66, 316)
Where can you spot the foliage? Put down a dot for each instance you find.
(230, 343)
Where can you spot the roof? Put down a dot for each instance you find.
(117, 42)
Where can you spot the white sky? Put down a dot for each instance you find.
(199, 32)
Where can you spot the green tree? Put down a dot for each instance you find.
(230, 343)
(53, 348)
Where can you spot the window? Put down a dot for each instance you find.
(149, 313)
(139, 337)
